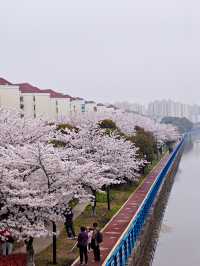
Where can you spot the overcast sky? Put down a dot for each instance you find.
(104, 50)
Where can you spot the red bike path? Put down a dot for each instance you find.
(13, 260)
(118, 224)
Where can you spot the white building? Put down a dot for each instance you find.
(77, 105)
(48, 104)
(60, 104)
(101, 108)
(160, 109)
(111, 108)
(137, 108)
(90, 106)
(33, 102)
(10, 96)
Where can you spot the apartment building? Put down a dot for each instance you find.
(90, 106)
(10, 96)
(160, 109)
(137, 108)
(59, 104)
(33, 102)
(111, 108)
(101, 108)
(49, 104)
(77, 105)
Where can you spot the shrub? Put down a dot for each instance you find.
(146, 143)
(62, 128)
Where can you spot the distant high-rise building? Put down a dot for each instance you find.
(163, 108)
(133, 107)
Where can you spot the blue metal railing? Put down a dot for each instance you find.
(123, 250)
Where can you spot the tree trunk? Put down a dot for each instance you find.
(108, 197)
(143, 170)
(158, 156)
(54, 243)
(95, 203)
(30, 252)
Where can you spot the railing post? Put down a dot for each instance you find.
(120, 257)
(115, 260)
(125, 250)
(129, 245)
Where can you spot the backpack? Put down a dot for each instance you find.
(99, 237)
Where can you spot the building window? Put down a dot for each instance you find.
(83, 108)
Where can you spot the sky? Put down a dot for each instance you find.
(104, 50)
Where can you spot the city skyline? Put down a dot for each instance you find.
(105, 101)
(85, 97)
(34, 101)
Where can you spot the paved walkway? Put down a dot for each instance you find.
(118, 224)
(13, 260)
(42, 243)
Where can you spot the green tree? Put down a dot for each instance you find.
(146, 143)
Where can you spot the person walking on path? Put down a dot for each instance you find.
(82, 245)
(7, 241)
(90, 233)
(97, 238)
(69, 223)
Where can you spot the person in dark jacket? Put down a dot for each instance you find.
(97, 238)
(6, 241)
(69, 223)
(82, 244)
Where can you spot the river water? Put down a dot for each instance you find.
(179, 237)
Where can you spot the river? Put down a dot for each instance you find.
(179, 237)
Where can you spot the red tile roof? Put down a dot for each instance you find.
(77, 98)
(111, 106)
(54, 94)
(4, 82)
(28, 88)
(88, 102)
(68, 96)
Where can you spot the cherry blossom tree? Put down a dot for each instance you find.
(17, 130)
(126, 122)
(115, 158)
(38, 179)
(36, 186)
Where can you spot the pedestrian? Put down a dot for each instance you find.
(82, 245)
(10, 242)
(69, 223)
(90, 233)
(6, 242)
(97, 238)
